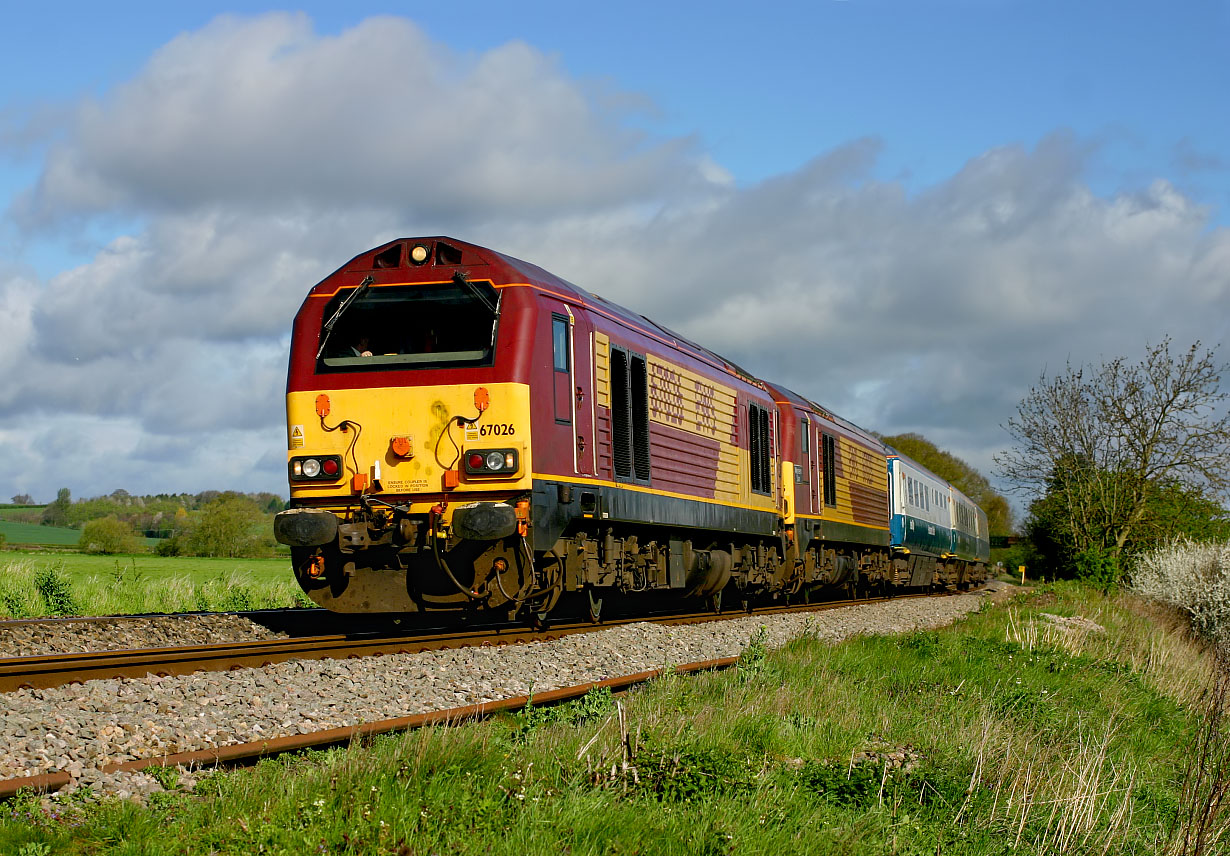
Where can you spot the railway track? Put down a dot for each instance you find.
(45, 671)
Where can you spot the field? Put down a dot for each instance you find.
(32, 533)
(1010, 732)
(47, 583)
(8, 510)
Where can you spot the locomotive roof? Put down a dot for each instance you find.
(781, 393)
(510, 269)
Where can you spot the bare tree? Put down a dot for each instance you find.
(1103, 442)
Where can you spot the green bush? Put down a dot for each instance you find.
(108, 535)
(1097, 567)
(56, 592)
(230, 525)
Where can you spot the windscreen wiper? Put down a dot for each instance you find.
(460, 279)
(328, 329)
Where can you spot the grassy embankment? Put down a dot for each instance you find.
(1006, 733)
(45, 583)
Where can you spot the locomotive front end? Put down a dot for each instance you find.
(408, 454)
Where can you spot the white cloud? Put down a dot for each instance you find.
(17, 299)
(264, 113)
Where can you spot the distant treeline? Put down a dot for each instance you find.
(210, 523)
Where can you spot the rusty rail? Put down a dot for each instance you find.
(55, 670)
(241, 753)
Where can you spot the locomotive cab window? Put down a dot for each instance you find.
(438, 325)
(559, 342)
(562, 363)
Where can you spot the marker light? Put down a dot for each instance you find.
(492, 462)
(322, 468)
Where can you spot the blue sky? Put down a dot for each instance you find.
(1047, 145)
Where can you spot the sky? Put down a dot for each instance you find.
(907, 211)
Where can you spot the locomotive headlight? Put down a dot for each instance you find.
(311, 468)
(495, 460)
(419, 253)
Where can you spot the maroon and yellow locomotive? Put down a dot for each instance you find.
(468, 432)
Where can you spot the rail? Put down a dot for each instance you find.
(53, 670)
(243, 753)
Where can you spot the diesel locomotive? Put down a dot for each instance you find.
(469, 433)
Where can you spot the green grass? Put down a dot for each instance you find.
(33, 533)
(1002, 734)
(158, 568)
(44, 583)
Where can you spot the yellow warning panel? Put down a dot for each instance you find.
(296, 436)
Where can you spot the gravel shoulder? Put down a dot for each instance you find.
(77, 729)
(40, 639)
